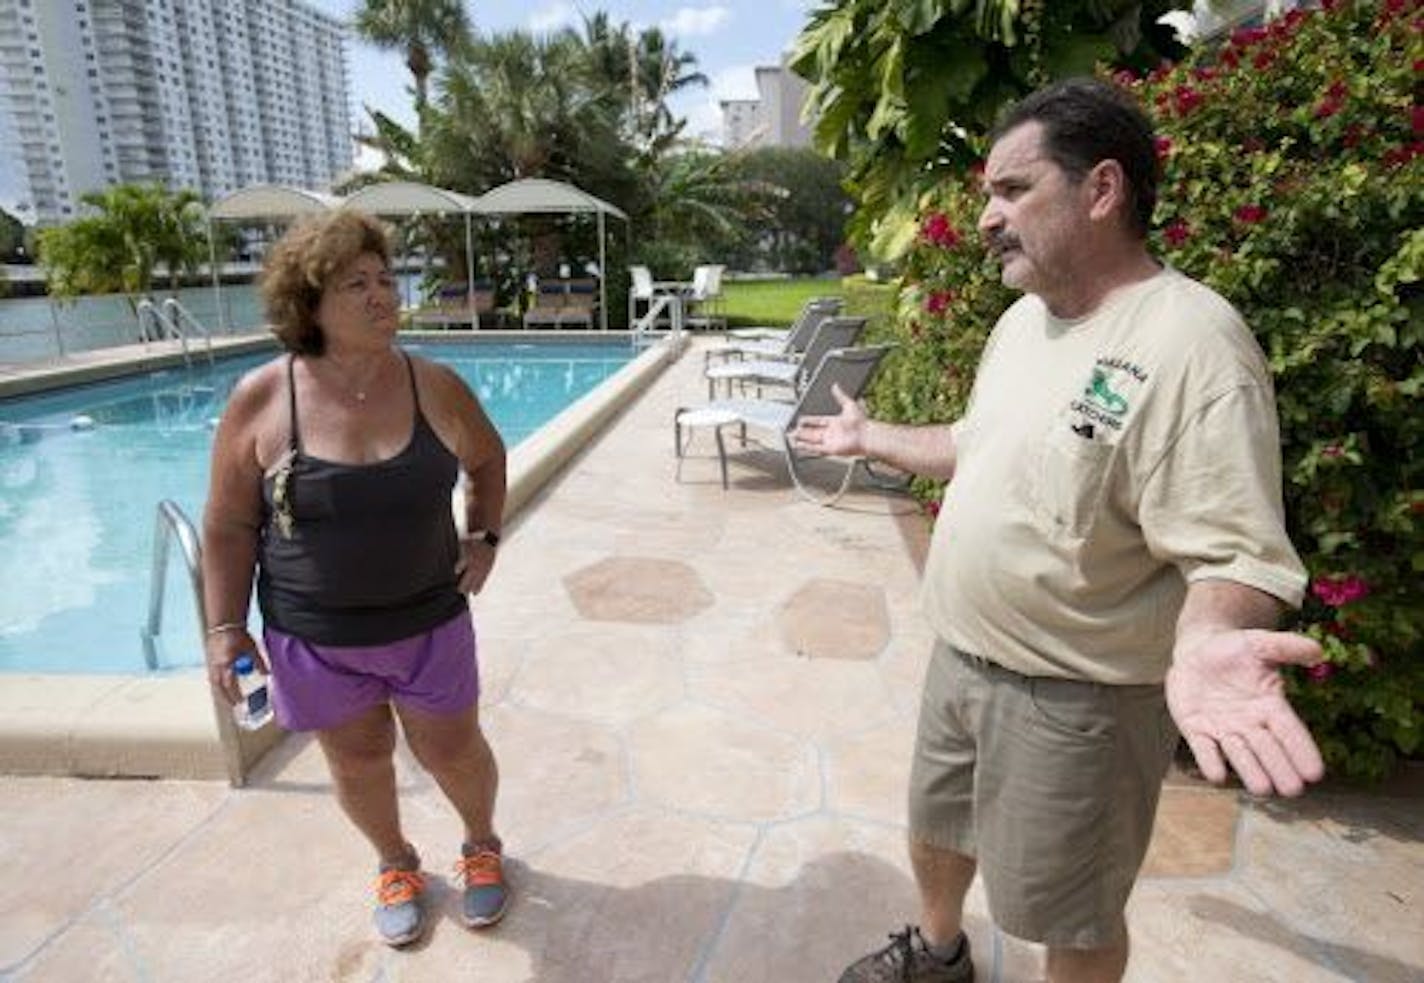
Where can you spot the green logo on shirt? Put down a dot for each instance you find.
(1101, 393)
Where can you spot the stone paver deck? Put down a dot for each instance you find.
(702, 703)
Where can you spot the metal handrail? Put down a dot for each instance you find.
(180, 314)
(643, 327)
(171, 524)
(166, 328)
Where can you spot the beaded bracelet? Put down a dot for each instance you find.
(226, 626)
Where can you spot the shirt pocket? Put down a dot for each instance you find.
(1069, 479)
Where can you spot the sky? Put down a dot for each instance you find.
(729, 37)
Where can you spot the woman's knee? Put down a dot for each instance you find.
(362, 745)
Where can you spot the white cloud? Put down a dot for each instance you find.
(553, 17)
(696, 21)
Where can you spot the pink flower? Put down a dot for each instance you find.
(1251, 214)
(1177, 233)
(937, 230)
(1339, 591)
(1320, 672)
(1244, 37)
(1164, 147)
(1125, 77)
(932, 507)
(938, 302)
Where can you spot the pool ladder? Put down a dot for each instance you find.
(171, 524)
(167, 321)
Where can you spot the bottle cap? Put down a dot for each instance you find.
(243, 664)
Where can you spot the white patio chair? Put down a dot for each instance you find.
(702, 299)
(640, 292)
(850, 368)
(831, 334)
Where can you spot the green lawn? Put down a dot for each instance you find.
(777, 302)
(772, 302)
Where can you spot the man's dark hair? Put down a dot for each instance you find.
(1086, 121)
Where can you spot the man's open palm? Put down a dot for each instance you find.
(1228, 699)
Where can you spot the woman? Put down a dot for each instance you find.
(332, 474)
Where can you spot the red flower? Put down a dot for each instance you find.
(1244, 37)
(1164, 147)
(937, 230)
(1263, 60)
(938, 302)
(932, 507)
(1186, 99)
(1251, 214)
(1163, 69)
(1419, 66)
(1177, 233)
(1320, 672)
(1354, 133)
(1403, 154)
(1339, 591)
(1327, 107)
(1416, 120)
(1125, 77)
(1230, 58)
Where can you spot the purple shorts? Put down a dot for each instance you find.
(317, 687)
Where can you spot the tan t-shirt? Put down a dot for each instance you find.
(1103, 464)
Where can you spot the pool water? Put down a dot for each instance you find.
(83, 470)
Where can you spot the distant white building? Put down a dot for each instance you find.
(773, 119)
(211, 95)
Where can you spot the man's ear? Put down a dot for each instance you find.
(1106, 189)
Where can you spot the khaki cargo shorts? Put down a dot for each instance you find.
(1051, 783)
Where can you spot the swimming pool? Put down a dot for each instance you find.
(82, 470)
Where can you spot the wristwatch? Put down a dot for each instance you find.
(489, 537)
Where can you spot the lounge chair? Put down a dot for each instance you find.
(850, 368)
(831, 334)
(760, 333)
(789, 343)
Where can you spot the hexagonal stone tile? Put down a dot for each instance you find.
(835, 619)
(705, 762)
(638, 589)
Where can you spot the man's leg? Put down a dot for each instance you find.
(454, 750)
(943, 877)
(359, 755)
(1105, 965)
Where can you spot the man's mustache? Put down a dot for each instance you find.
(997, 242)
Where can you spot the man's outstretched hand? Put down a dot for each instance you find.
(1225, 692)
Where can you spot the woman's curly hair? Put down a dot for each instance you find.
(300, 264)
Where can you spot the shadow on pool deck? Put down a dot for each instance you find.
(697, 783)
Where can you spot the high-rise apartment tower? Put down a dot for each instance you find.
(212, 95)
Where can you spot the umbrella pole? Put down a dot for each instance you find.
(470, 273)
(602, 275)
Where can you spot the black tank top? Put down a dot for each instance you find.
(368, 556)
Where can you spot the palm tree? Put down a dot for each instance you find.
(135, 229)
(418, 28)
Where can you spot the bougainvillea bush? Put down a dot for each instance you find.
(1293, 183)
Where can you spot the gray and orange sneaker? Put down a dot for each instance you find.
(909, 959)
(399, 914)
(480, 870)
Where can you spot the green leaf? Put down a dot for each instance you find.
(1077, 54)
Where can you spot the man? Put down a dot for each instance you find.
(1110, 557)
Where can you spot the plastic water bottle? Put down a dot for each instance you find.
(255, 707)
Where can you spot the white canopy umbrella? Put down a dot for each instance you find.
(260, 201)
(540, 195)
